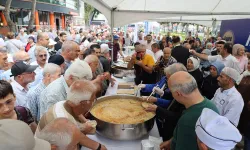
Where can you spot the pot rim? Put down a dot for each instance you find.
(100, 99)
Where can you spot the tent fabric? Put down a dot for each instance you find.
(129, 11)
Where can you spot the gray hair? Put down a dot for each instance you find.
(186, 87)
(140, 47)
(60, 137)
(174, 68)
(80, 70)
(80, 90)
(209, 44)
(3, 50)
(39, 49)
(50, 68)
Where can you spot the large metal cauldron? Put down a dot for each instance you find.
(122, 131)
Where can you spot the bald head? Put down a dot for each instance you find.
(93, 62)
(91, 59)
(20, 56)
(43, 39)
(70, 50)
(183, 82)
(171, 69)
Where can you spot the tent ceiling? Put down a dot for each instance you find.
(130, 11)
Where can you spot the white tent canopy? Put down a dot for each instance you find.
(122, 12)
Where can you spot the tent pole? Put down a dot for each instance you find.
(112, 41)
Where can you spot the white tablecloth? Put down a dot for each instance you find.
(123, 145)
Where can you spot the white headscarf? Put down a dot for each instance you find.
(196, 63)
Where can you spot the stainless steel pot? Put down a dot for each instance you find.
(122, 131)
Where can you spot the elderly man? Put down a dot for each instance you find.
(143, 64)
(80, 98)
(215, 132)
(23, 75)
(166, 119)
(70, 50)
(224, 56)
(59, 60)
(184, 89)
(41, 60)
(53, 131)
(57, 90)
(18, 56)
(227, 98)
(164, 61)
(104, 58)
(42, 40)
(51, 72)
(3, 58)
(15, 134)
(157, 51)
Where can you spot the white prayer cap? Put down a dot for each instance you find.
(51, 42)
(105, 48)
(216, 131)
(232, 73)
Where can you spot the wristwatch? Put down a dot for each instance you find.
(99, 147)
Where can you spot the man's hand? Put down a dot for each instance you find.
(133, 58)
(192, 52)
(165, 145)
(151, 108)
(88, 128)
(112, 82)
(150, 100)
(139, 63)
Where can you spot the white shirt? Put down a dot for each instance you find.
(148, 45)
(158, 54)
(14, 45)
(229, 103)
(229, 61)
(39, 75)
(20, 93)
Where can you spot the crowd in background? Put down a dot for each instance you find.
(201, 86)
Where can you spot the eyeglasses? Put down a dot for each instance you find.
(41, 56)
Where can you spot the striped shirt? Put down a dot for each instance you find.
(53, 93)
(33, 100)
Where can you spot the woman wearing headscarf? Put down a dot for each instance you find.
(205, 64)
(244, 123)
(193, 65)
(210, 84)
(239, 53)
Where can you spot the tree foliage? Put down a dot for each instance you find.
(32, 15)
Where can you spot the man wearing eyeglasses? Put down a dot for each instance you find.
(143, 64)
(23, 75)
(41, 60)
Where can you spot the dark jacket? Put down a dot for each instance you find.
(209, 86)
(197, 74)
(181, 54)
(105, 64)
(244, 122)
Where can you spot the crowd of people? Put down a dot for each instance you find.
(49, 82)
